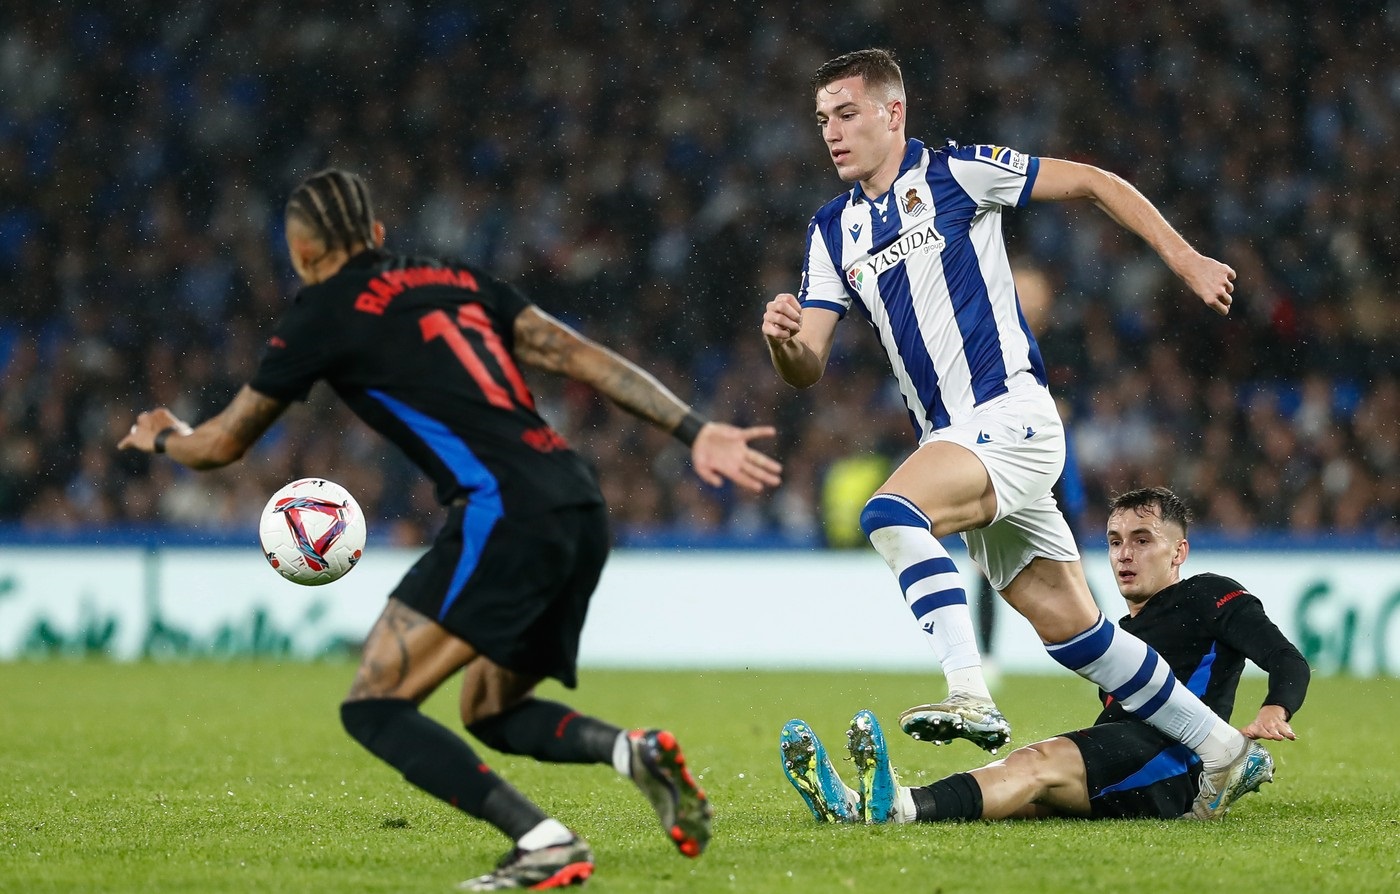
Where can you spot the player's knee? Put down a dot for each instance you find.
(364, 719)
(482, 704)
(888, 510)
(1041, 761)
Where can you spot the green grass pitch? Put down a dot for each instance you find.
(224, 777)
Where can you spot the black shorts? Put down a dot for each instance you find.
(518, 594)
(1135, 772)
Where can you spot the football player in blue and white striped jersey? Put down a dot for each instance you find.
(916, 247)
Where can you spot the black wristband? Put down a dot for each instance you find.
(690, 426)
(162, 436)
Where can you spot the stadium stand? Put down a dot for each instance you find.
(650, 184)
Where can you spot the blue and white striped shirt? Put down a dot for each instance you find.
(927, 264)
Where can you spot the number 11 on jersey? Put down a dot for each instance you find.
(437, 324)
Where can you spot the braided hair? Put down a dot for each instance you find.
(335, 205)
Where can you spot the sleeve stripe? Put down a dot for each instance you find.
(1031, 171)
(836, 306)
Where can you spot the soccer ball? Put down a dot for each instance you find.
(312, 531)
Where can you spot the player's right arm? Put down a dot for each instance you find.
(214, 443)
(800, 329)
(799, 339)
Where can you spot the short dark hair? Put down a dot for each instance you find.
(335, 205)
(1168, 505)
(877, 67)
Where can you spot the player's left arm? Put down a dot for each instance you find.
(1059, 180)
(216, 442)
(1244, 625)
(717, 451)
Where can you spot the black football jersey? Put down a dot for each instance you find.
(421, 350)
(1205, 627)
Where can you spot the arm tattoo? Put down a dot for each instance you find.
(226, 437)
(544, 342)
(253, 414)
(630, 387)
(541, 341)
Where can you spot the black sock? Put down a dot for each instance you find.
(435, 759)
(548, 731)
(956, 797)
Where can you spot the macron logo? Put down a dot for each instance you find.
(1030, 433)
(855, 232)
(982, 438)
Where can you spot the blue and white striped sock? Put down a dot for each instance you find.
(932, 587)
(1139, 680)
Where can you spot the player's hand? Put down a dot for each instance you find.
(783, 318)
(142, 435)
(1212, 281)
(722, 451)
(1270, 724)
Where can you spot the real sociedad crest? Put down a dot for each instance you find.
(914, 204)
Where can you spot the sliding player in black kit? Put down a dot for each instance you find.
(427, 352)
(1204, 627)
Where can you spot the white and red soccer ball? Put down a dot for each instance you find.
(312, 531)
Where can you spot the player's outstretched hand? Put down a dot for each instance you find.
(783, 318)
(722, 451)
(142, 435)
(1212, 281)
(1270, 724)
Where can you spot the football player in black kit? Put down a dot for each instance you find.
(1204, 626)
(427, 352)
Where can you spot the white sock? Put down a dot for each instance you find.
(622, 754)
(1134, 674)
(547, 834)
(932, 587)
(969, 680)
(904, 809)
(1221, 745)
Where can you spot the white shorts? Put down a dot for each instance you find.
(1021, 442)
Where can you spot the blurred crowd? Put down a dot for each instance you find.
(645, 172)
